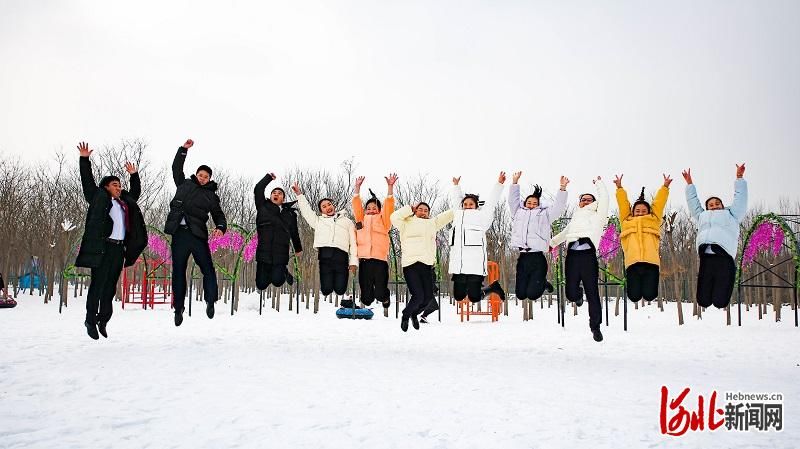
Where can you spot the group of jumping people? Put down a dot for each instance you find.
(115, 236)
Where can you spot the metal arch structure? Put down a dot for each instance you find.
(790, 225)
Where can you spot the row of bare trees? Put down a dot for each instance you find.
(39, 202)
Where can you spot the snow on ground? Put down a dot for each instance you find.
(283, 380)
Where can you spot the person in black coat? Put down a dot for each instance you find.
(194, 199)
(114, 236)
(277, 228)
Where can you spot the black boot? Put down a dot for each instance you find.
(210, 309)
(91, 329)
(496, 288)
(101, 327)
(414, 322)
(178, 317)
(404, 323)
(423, 319)
(548, 287)
(597, 335)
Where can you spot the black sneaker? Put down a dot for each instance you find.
(597, 335)
(210, 309)
(548, 287)
(404, 324)
(386, 304)
(101, 327)
(414, 322)
(423, 320)
(178, 317)
(91, 329)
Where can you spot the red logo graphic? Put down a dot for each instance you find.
(683, 419)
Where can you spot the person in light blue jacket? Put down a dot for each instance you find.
(717, 240)
(530, 234)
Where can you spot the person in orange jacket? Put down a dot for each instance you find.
(641, 237)
(372, 240)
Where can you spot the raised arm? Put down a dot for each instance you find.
(487, 210)
(456, 194)
(513, 194)
(136, 183)
(695, 209)
(388, 203)
(555, 211)
(622, 199)
(739, 207)
(177, 163)
(660, 201)
(305, 209)
(85, 166)
(258, 191)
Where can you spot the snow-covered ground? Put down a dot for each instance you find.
(283, 380)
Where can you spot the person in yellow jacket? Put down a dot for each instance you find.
(641, 237)
(418, 246)
(372, 240)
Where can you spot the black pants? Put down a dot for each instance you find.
(420, 284)
(467, 285)
(531, 275)
(267, 273)
(373, 277)
(103, 285)
(716, 277)
(333, 270)
(184, 244)
(432, 306)
(642, 281)
(581, 268)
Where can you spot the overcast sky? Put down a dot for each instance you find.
(456, 87)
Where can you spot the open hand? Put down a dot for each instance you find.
(130, 168)
(83, 147)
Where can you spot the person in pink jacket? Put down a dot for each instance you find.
(372, 240)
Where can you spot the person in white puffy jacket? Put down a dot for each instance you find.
(468, 241)
(335, 241)
(530, 234)
(582, 235)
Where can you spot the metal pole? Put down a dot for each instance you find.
(625, 305)
(739, 300)
(605, 290)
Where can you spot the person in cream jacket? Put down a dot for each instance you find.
(335, 241)
(418, 254)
